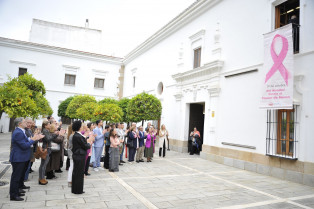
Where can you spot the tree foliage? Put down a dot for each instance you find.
(123, 104)
(87, 111)
(144, 107)
(63, 106)
(76, 103)
(24, 97)
(43, 106)
(109, 112)
(108, 101)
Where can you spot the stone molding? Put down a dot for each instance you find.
(22, 63)
(24, 45)
(204, 77)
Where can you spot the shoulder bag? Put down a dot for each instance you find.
(55, 147)
(40, 152)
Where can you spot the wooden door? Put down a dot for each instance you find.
(285, 134)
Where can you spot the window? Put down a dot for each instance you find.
(133, 81)
(286, 13)
(22, 71)
(99, 83)
(281, 135)
(285, 128)
(69, 79)
(197, 57)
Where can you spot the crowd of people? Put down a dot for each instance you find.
(85, 145)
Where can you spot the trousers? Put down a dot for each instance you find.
(140, 153)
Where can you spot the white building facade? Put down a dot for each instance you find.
(206, 67)
(64, 71)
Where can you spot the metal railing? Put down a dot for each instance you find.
(278, 147)
(296, 37)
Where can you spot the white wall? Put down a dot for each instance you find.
(238, 118)
(66, 36)
(51, 67)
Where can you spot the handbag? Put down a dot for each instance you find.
(66, 152)
(129, 143)
(55, 147)
(40, 152)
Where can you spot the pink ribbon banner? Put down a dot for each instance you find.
(277, 90)
(278, 59)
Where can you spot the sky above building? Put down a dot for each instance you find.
(124, 23)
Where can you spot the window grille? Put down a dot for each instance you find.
(282, 133)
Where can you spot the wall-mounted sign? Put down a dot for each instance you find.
(277, 91)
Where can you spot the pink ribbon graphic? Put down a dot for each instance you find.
(278, 60)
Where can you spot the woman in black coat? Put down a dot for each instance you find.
(79, 150)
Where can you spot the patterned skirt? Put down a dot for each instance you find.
(114, 159)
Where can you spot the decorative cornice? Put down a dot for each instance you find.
(192, 12)
(207, 71)
(197, 35)
(59, 51)
(205, 77)
(242, 70)
(71, 67)
(22, 63)
(100, 71)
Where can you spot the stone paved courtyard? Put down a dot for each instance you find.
(177, 181)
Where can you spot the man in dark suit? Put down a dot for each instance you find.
(29, 134)
(141, 145)
(19, 158)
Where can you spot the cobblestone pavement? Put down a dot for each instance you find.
(177, 181)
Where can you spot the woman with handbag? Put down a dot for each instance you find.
(56, 152)
(79, 150)
(46, 145)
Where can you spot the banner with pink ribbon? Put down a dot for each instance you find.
(277, 91)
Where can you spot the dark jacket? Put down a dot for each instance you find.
(141, 138)
(80, 145)
(20, 146)
(133, 139)
(48, 138)
(55, 157)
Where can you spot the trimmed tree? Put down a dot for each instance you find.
(77, 102)
(123, 104)
(108, 101)
(87, 111)
(24, 97)
(63, 107)
(109, 113)
(43, 106)
(144, 107)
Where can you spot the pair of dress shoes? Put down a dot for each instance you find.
(16, 198)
